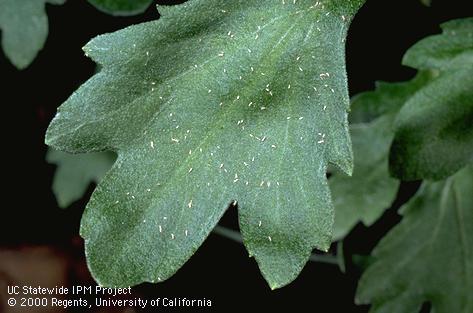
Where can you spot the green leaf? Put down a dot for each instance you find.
(428, 257)
(449, 51)
(434, 130)
(427, 3)
(24, 26)
(364, 196)
(75, 173)
(218, 101)
(121, 7)
(387, 98)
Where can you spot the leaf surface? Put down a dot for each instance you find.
(434, 129)
(75, 173)
(24, 26)
(370, 190)
(387, 98)
(218, 101)
(365, 195)
(121, 7)
(428, 257)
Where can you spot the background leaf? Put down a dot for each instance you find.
(387, 98)
(121, 7)
(217, 101)
(364, 196)
(428, 257)
(75, 173)
(426, 2)
(434, 130)
(24, 26)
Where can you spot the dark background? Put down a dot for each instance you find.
(221, 269)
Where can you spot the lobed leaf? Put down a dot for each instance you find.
(387, 98)
(434, 135)
(434, 130)
(365, 195)
(218, 101)
(451, 50)
(428, 257)
(75, 173)
(24, 26)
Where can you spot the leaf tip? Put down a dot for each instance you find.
(276, 284)
(20, 62)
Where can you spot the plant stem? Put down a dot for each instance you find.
(228, 233)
